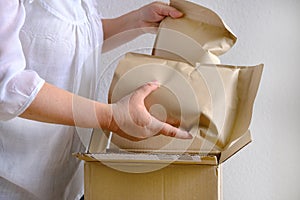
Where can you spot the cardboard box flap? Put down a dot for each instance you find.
(84, 156)
(99, 141)
(234, 146)
(105, 146)
(199, 36)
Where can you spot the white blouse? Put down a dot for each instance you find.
(44, 40)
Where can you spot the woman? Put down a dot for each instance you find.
(43, 49)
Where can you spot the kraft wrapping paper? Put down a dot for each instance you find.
(200, 36)
(212, 101)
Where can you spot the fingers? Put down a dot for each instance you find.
(168, 130)
(152, 14)
(166, 10)
(147, 88)
(171, 131)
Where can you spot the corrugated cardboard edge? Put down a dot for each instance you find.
(220, 182)
(206, 160)
(235, 146)
(98, 141)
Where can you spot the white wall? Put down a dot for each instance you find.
(268, 31)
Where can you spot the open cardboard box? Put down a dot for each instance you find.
(111, 173)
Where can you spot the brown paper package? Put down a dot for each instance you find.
(212, 101)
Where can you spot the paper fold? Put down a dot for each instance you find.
(200, 36)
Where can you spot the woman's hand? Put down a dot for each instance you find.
(152, 14)
(132, 120)
(137, 22)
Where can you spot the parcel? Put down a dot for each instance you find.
(212, 101)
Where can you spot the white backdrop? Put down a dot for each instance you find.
(268, 32)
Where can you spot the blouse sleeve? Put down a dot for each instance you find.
(18, 87)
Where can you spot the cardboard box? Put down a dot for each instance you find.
(113, 175)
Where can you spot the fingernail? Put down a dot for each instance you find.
(189, 136)
(186, 135)
(176, 14)
(155, 82)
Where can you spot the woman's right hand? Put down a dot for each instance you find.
(131, 119)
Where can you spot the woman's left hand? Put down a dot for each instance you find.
(152, 14)
(135, 23)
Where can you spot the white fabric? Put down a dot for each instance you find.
(57, 38)
(18, 86)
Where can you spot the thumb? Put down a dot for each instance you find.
(167, 10)
(147, 88)
(175, 14)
